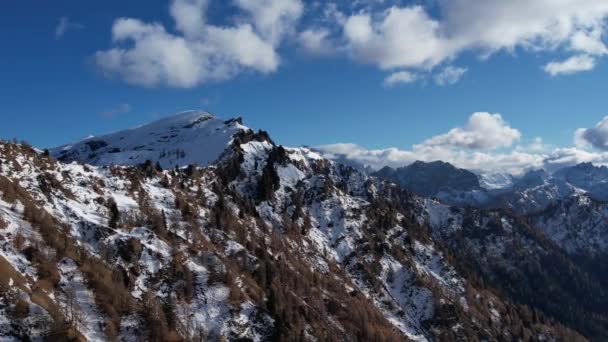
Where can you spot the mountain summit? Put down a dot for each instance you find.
(192, 137)
(428, 179)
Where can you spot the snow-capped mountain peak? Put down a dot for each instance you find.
(496, 180)
(191, 137)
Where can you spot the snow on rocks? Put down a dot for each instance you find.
(154, 255)
(16, 233)
(192, 137)
(78, 302)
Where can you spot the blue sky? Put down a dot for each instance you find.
(58, 86)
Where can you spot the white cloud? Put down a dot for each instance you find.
(273, 18)
(472, 147)
(468, 147)
(537, 145)
(483, 131)
(514, 162)
(596, 136)
(450, 75)
(244, 47)
(404, 37)
(388, 34)
(64, 26)
(147, 54)
(570, 66)
(399, 78)
(398, 36)
(589, 42)
(579, 139)
(541, 25)
(316, 41)
(189, 16)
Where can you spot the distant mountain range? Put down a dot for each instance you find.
(430, 179)
(533, 191)
(199, 228)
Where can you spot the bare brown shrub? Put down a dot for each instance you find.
(156, 320)
(11, 191)
(19, 241)
(111, 295)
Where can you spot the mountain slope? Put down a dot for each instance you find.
(267, 243)
(429, 179)
(586, 176)
(579, 224)
(193, 137)
(532, 192)
(510, 254)
(439, 180)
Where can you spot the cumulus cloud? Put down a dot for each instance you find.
(189, 16)
(539, 25)
(394, 36)
(399, 77)
(64, 26)
(404, 37)
(514, 162)
(391, 35)
(483, 131)
(596, 136)
(377, 158)
(537, 145)
(466, 148)
(589, 42)
(570, 66)
(450, 75)
(147, 54)
(272, 18)
(316, 41)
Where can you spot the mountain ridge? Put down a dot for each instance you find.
(267, 243)
(190, 137)
(428, 179)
